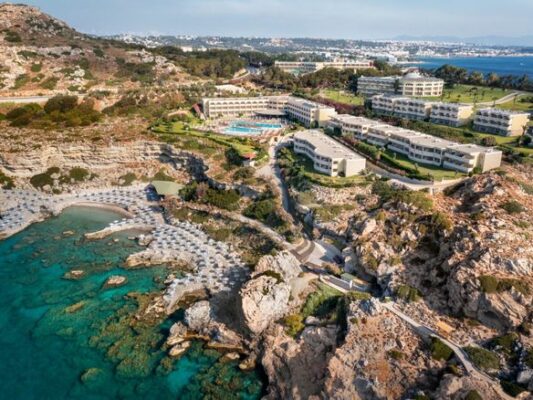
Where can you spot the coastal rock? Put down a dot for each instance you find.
(264, 300)
(90, 376)
(115, 281)
(453, 387)
(147, 258)
(178, 332)
(198, 316)
(283, 263)
(296, 368)
(178, 349)
(75, 274)
(232, 356)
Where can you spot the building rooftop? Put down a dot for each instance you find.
(431, 141)
(472, 148)
(501, 112)
(308, 103)
(352, 119)
(415, 76)
(326, 146)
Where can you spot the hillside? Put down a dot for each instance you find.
(40, 54)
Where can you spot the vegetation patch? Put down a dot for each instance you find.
(408, 293)
(491, 284)
(482, 358)
(513, 207)
(6, 182)
(439, 350)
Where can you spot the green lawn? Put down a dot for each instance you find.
(437, 173)
(342, 97)
(472, 94)
(241, 145)
(522, 103)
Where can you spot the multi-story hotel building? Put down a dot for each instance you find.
(412, 85)
(404, 107)
(452, 114)
(306, 67)
(501, 122)
(307, 112)
(329, 157)
(236, 106)
(422, 148)
(352, 126)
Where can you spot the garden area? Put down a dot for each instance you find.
(472, 94)
(342, 96)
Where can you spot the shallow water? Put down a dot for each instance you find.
(46, 347)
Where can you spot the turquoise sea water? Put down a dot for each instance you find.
(47, 344)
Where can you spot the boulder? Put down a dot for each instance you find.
(198, 316)
(178, 349)
(263, 301)
(115, 281)
(283, 263)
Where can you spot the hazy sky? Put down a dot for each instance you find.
(377, 19)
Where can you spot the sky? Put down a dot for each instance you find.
(348, 19)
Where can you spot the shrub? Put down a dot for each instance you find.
(473, 395)
(41, 180)
(293, 324)
(79, 174)
(260, 210)
(408, 293)
(489, 284)
(12, 37)
(6, 182)
(439, 350)
(61, 104)
(488, 141)
(226, 199)
(128, 179)
(512, 207)
(482, 358)
(36, 67)
(441, 221)
(49, 83)
(511, 388)
(395, 354)
(272, 274)
(505, 342)
(162, 176)
(244, 173)
(528, 359)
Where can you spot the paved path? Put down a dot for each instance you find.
(501, 100)
(24, 100)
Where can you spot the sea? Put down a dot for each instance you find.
(500, 65)
(75, 339)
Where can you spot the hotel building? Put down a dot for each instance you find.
(306, 67)
(403, 107)
(329, 157)
(412, 85)
(501, 122)
(309, 113)
(352, 126)
(421, 148)
(452, 114)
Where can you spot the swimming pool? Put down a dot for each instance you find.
(250, 128)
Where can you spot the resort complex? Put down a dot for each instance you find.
(412, 85)
(418, 147)
(309, 113)
(328, 156)
(452, 114)
(501, 122)
(307, 67)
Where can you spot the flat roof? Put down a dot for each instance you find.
(326, 146)
(431, 141)
(502, 112)
(309, 103)
(472, 148)
(356, 120)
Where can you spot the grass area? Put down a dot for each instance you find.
(522, 103)
(438, 173)
(343, 97)
(472, 94)
(241, 145)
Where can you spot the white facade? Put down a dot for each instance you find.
(452, 114)
(501, 122)
(329, 157)
(309, 113)
(421, 148)
(400, 106)
(412, 85)
(306, 67)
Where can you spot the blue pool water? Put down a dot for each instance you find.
(250, 128)
(74, 339)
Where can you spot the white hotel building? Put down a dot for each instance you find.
(309, 113)
(403, 107)
(501, 122)
(418, 147)
(452, 114)
(306, 67)
(412, 85)
(329, 157)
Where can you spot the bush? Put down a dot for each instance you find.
(505, 342)
(6, 182)
(293, 324)
(61, 104)
(36, 67)
(128, 179)
(226, 199)
(441, 221)
(513, 207)
(489, 284)
(395, 354)
(12, 37)
(244, 173)
(482, 358)
(488, 141)
(408, 293)
(79, 174)
(511, 388)
(473, 395)
(49, 83)
(41, 180)
(528, 359)
(439, 350)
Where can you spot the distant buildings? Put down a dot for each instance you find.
(309, 113)
(418, 147)
(306, 67)
(501, 122)
(412, 85)
(329, 157)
